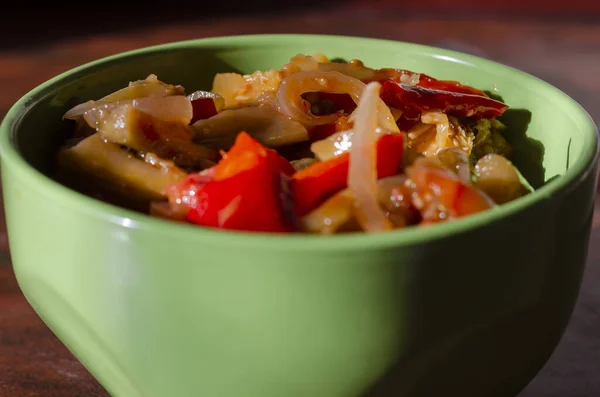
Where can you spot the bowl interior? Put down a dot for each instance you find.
(550, 132)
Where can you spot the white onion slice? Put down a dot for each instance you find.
(362, 172)
(342, 141)
(291, 104)
(457, 160)
(150, 87)
(78, 111)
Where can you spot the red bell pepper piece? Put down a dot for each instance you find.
(203, 108)
(315, 184)
(185, 191)
(458, 198)
(247, 153)
(248, 200)
(411, 98)
(242, 192)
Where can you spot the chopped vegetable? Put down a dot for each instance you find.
(405, 97)
(334, 215)
(435, 133)
(93, 157)
(313, 185)
(242, 193)
(150, 87)
(260, 87)
(439, 194)
(498, 178)
(315, 146)
(264, 123)
(125, 125)
(364, 158)
(489, 139)
(456, 160)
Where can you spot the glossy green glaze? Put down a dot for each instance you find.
(155, 309)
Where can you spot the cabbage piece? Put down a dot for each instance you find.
(260, 87)
(435, 132)
(489, 139)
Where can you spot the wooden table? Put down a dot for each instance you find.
(565, 52)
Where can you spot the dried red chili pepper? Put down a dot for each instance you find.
(411, 98)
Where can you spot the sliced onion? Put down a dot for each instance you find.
(289, 94)
(150, 87)
(362, 172)
(340, 142)
(172, 108)
(78, 111)
(94, 116)
(300, 63)
(457, 160)
(365, 74)
(442, 128)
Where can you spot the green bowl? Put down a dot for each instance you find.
(473, 307)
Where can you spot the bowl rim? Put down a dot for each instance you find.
(11, 158)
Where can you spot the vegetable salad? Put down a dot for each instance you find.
(316, 147)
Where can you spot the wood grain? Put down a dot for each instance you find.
(564, 52)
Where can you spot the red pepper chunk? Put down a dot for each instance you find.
(458, 198)
(247, 201)
(315, 184)
(203, 108)
(247, 153)
(411, 98)
(246, 191)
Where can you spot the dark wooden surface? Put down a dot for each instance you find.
(562, 48)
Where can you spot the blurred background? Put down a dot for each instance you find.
(555, 40)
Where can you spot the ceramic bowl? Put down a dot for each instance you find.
(152, 308)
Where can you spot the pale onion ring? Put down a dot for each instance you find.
(289, 95)
(362, 171)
